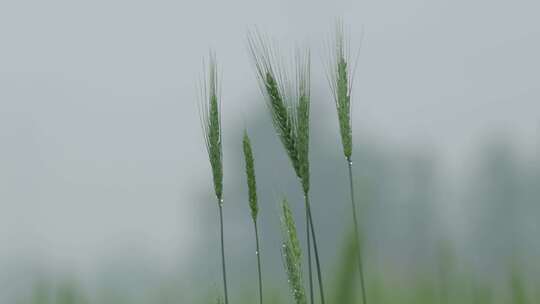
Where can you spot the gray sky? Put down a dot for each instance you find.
(101, 151)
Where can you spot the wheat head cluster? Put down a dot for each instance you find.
(285, 91)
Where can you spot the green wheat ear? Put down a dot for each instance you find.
(210, 113)
(292, 255)
(290, 111)
(253, 204)
(340, 78)
(273, 81)
(210, 108)
(302, 108)
(250, 172)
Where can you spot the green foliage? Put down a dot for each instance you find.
(250, 173)
(41, 293)
(292, 255)
(68, 293)
(517, 286)
(481, 294)
(210, 112)
(345, 281)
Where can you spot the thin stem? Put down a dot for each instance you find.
(315, 249)
(310, 271)
(220, 203)
(258, 252)
(356, 233)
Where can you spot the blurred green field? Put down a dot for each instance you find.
(408, 258)
(447, 286)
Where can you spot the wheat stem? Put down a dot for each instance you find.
(310, 271)
(315, 248)
(258, 252)
(224, 271)
(356, 234)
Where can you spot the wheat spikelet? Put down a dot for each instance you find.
(341, 79)
(302, 109)
(250, 173)
(253, 204)
(292, 255)
(340, 76)
(210, 113)
(276, 88)
(290, 111)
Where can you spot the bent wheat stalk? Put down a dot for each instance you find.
(253, 202)
(289, 106)
(340, 78)
(210, 114)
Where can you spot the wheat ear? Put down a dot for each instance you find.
(340, 76)
(210, 113)
(292, 255)
(253, 203)
(289, 106)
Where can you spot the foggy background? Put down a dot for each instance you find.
(104, 176)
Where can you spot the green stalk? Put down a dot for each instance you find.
(310, 271)
(258, 252)
(356, 234)
(223, 253)
(315, 248)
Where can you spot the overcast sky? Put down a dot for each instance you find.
(100, 145)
